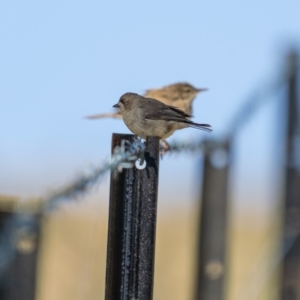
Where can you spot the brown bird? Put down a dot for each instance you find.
(180, 95)
(150, 117)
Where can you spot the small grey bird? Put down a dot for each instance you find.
(150, 117)
(180, 94)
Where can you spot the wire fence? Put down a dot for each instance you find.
(22, 228)
(126, 155)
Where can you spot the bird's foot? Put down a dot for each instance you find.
(164, 148)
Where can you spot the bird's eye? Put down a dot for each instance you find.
(122, 101)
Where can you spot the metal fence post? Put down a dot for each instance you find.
(291, 232)
(213, 223)
(19, 250)
(132, 224)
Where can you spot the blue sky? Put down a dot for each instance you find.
(62, 60)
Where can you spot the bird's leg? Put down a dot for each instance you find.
(164, 148)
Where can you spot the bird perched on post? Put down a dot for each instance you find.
(180, 95)
(150, 117)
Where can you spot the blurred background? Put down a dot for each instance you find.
(63, 60)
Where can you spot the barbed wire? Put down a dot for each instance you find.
(22, 226)
(125, 156)
(252, 104)
(261, 96)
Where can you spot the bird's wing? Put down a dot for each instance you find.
(183, 113)
(160, 111)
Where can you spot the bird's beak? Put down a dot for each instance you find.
(202, 90)
(116, 105)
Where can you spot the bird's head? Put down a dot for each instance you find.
(126, 101)
(187, 92)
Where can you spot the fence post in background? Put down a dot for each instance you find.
(291, 230)
(19, 252)
(131, 227)
(22, 284)
(213, 223)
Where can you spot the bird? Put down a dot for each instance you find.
(149, 117)
(181, 95)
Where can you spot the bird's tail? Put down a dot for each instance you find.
(115, 115)
(205, 127)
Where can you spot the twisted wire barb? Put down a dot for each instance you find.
(123, 157)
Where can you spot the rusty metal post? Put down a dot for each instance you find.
(213, 223)
(132, 224)
(291, 232)
(19, 248)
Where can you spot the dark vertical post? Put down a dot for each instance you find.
(291, 238)
(20, 237)
(132, 224)
(6, 251)
(213, 223)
